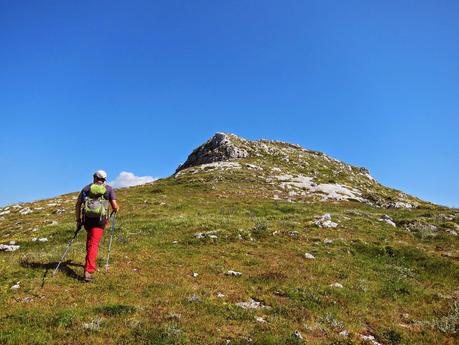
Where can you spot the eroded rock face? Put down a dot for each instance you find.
(218, 148)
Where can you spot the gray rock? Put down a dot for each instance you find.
(309, 256)
(8, 247)
(369, 338)
(344, 333)
(298, 335)
(207, 234)
(218, 148)
(451, 232)
(293, 234)
(337, 285)
(233, 273)
(417, 226)
(399, 204)
(93, 325)
(252, 304)
(260, 319)
(385, 218)
(194, 298)
(25, 211)
(325, 221)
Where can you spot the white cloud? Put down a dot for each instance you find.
(128, 179)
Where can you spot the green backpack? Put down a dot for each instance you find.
(95, 205)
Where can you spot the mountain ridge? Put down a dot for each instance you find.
(303, 172)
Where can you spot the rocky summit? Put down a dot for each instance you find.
(285, 171)
(248, 242)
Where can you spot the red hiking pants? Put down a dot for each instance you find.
(92, 246)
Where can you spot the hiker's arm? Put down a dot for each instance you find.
(112, 198)
(115, 206)
(78, 211)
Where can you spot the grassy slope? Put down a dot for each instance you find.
(386, 272)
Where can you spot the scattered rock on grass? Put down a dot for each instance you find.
(417, 226)
(260, 319)
(93, 325)
(337, 285)
(25, 211)
(233, 273)
(344, 333)
(194, 298)
(309, 256)
(325, 221)
(194, 274)
(52, 222)
(399, 204)
(8, 247)
(451, 255)
(385, 218)
(451, 232)
(293, 234)
(252, 304)
(370, 339)
(208, 234)
(298, 335)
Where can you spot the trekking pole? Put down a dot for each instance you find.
(112, 230)
(67, 249)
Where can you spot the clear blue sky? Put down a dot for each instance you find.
(136, 85)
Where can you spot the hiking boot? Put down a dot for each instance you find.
(87, 276)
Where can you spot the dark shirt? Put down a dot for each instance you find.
(109, 194)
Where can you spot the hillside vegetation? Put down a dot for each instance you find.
(248, 243)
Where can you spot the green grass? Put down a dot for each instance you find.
(397, 286)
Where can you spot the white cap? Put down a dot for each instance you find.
(100, 174)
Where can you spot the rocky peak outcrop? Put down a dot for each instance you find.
(290, 172)
(218, 148)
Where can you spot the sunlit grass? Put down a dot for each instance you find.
(396, 286)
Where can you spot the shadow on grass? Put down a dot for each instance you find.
(65, 267)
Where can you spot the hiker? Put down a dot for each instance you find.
(92, 211)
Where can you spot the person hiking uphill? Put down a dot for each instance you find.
(92, 211)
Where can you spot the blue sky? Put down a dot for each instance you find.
(136, 85)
